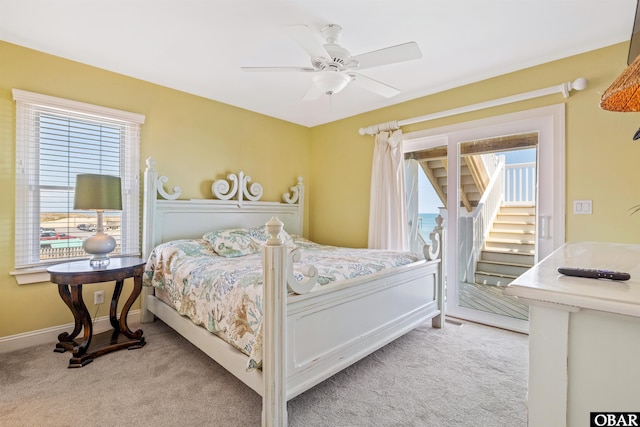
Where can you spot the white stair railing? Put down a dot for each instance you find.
(520, 184)
(483, 216)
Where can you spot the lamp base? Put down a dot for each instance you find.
(99, 261)
(99, 246)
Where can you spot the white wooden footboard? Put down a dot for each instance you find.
(324, 335)
(328, 332)
(313, 336)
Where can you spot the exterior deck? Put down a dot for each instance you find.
(489, 298)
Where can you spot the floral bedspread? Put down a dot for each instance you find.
(224, 295)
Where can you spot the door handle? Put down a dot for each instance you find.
(544, 227)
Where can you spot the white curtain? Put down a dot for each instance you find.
(388, 211)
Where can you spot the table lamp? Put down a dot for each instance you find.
(99, 193)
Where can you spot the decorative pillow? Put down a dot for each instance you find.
(237, 242)
(233, 242)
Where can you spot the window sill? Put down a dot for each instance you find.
(31, 275)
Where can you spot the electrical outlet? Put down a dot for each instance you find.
(98, 297)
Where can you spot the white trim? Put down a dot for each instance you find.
(66, 104)
(28, 262)
(50, 335)
(35, 275)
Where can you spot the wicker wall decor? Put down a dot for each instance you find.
(624, 93)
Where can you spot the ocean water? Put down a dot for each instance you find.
(426, 223)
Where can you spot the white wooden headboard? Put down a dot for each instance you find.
(172, 219)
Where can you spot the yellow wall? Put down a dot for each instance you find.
(601, 162)
(195, 140)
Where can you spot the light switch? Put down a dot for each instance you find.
(582, 207)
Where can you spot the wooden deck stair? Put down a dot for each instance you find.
(471, 180)
(509, 250)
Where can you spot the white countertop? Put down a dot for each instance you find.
(544, 283)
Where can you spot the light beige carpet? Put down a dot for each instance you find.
(469, 375)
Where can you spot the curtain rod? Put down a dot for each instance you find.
(564, 88)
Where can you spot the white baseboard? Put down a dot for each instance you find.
(50, 335)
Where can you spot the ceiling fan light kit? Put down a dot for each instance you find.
(333, 65)
(331, 82)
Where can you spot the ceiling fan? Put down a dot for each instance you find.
(332, 65)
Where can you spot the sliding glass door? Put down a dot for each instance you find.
(496, 222)
(487, 219)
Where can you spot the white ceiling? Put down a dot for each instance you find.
(198, 46)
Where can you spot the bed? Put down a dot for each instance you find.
(311, 328)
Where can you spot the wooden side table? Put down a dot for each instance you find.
(70, 277)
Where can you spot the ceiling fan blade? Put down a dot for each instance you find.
(307, 40)
(389, 55)
(268, 69)
(313, 93)
(374, 85)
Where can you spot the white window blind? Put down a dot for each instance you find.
(56, 139)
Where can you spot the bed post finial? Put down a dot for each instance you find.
(274, 227)
(151, 163)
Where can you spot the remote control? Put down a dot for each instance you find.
(593, 273)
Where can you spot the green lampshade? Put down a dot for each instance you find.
(97, 192)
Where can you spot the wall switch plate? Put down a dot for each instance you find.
(582, 207)
(98, 297)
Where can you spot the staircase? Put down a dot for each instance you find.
(470, 193)
(470, 186)
(509, 250)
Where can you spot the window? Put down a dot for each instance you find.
(56, 139)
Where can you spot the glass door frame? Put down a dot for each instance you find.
(549, 122)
